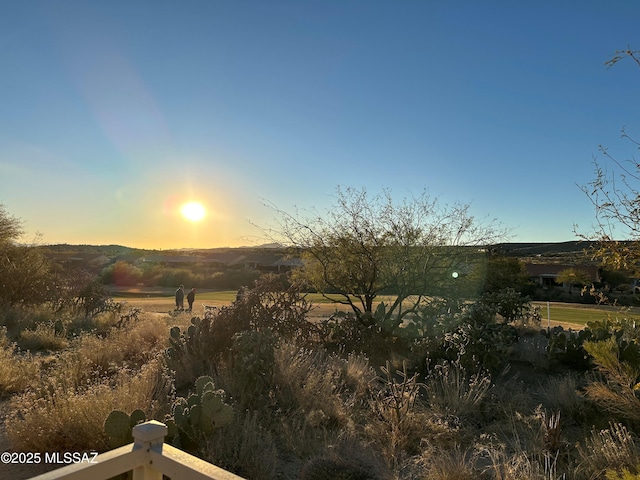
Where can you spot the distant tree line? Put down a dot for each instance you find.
(125, 274)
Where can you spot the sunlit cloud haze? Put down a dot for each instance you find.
(115, 114)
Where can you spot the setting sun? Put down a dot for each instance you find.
(193, 211)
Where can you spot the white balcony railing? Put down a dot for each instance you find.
(149, 459)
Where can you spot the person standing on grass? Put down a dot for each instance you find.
(180, 298)
(191, 296)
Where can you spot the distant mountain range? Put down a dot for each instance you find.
(521, 249)
(532, 249)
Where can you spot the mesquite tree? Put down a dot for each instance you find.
(25, 276)
(367, 246)
(615, 194)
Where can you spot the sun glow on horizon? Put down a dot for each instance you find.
(193, 211)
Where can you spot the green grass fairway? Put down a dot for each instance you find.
(230, 296)
(563, 313)
(581, 314)
(226, 296)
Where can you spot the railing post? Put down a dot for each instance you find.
(150, 436)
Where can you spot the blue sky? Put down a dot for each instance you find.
(113, 114)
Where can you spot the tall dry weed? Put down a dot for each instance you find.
(613, 448)
(399, 419)
(451, 464)
(451, 390)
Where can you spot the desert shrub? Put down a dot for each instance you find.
(320, 468)
(131, 346)
(568, 347)
(614, 448)
(66, 420)
(525, 446)
(45, 336)
(347, 457)
(244, 447)
(43, 327)
(346, 333)
(93, 298)
(512, 306)
(17, 318)
(276, 306)
(25, 274)
(321, 386)
(561, 393)
(17, 371)
(252, 363)
(92, 357)
(508, 462)
(479, 344)
(532, 348)
(399, 415)
(452, 390)
(625, 474)
(99, 324)
(466, 332)
(616, 391)
(270, 307)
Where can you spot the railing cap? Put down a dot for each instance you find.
(150, 432)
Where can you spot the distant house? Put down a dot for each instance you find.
(547, 273)
(171, 259)
(224, 258)
(266, 262)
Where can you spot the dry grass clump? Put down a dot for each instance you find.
(44, 336)
(245, 447)
(523, 447)
(324, 388)
(17, 371)
(92, 357)
(135, 344)
(446, 464)
(611, 448)
(68, 420)
(451, 390)
(562, 394)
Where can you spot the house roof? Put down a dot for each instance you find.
(172, 259)
(553, 270)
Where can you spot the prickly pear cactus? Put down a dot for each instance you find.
(118, 426)
(253, 363)
(194, 418)
(189, 347)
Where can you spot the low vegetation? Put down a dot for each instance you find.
(463, 390)
(460, 380)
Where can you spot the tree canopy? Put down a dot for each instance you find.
(615, 194)
(24, 273)
(368, 246)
